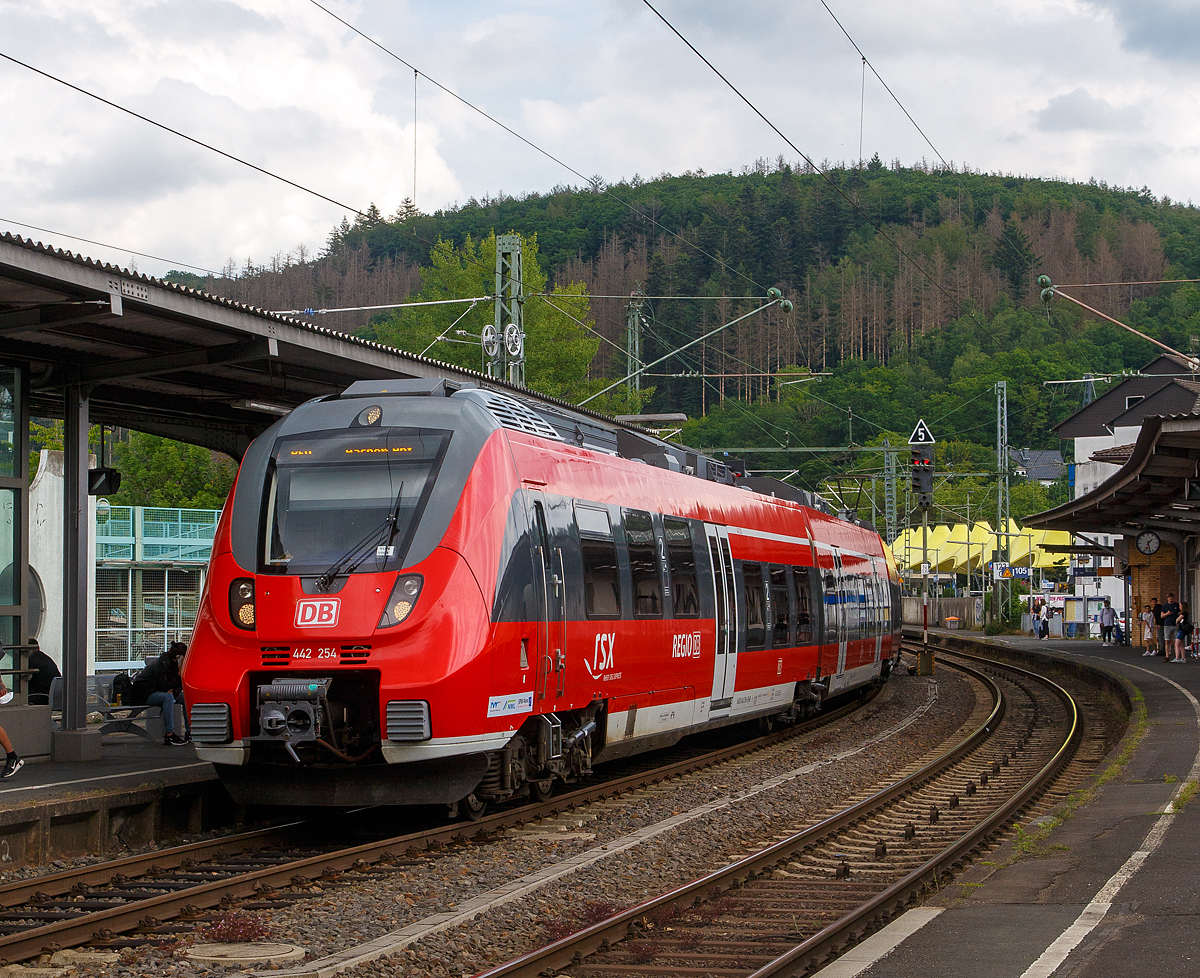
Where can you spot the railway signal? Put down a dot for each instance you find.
(921, 444)
(922, 475)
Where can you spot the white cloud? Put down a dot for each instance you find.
(1074, 88)
(1082, 110)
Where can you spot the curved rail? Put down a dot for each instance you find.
(807, 955)
(864, 918)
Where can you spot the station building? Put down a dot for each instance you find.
(1136, 503)
(1104, 433)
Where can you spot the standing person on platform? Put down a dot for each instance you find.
(1108, 618)
(160, 684)
(13, 762)
(1044, 621)
(1183, 632)
(1156, 617)
(1168, 621)
(1147, 618)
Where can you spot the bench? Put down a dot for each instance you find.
(117, 717)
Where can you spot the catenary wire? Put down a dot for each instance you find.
(181, 135)
(640, 298)
(824, 174)
(546, 299)
(603, 188)
(887, 88)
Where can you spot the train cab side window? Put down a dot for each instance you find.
(683, 567)
(643, 565)
(756, 611)
(780, 608)
(803, 582)
(601, 577)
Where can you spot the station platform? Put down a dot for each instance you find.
(1113, 891)
(137, 793)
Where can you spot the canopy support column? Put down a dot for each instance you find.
(74, 742)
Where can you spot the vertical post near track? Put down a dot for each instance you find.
(921, 448)
(633, 340)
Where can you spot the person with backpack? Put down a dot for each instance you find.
(160, 684)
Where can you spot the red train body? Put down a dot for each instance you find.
(422, 594)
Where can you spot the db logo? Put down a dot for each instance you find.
(317, 612)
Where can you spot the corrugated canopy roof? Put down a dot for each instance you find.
(1158, 487)
(170, 360)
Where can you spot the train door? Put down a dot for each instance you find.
(551, 587)
(725, 667)
(878, 602)
(837, 602)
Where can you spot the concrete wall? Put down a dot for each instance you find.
(1088, 475)
(969, 611)
(46, 554)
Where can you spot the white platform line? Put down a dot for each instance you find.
(860, 957)
(6, 790)
(1053, 957)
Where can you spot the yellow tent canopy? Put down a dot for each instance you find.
(959, 549)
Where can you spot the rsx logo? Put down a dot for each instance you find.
(602, 656)
(317, 612)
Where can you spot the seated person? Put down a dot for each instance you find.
(161, 685)
(47, 672)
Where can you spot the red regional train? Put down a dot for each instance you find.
(424, 592)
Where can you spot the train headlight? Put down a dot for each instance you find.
(241, 603)
(402, 600)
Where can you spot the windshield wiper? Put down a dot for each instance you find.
(350, 561)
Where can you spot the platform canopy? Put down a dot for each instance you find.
(1158, 488)
(170, 360)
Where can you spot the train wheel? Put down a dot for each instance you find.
(472, 807)
(767, 724)
(541, 790)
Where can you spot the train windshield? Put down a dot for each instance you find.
(347, 499)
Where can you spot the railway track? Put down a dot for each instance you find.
(792, 906)
(140, 894)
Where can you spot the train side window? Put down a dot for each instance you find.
(601, 576)
(803, 581)
(756, 611)
(831, 595)
(643, 565)
(683, 567)
(780, 608)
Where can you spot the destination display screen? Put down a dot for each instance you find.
(348, 498)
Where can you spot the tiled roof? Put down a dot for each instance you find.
(1118, 455)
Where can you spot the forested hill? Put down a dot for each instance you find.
(920, 317)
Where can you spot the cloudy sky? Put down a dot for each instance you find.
(1071, 88)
